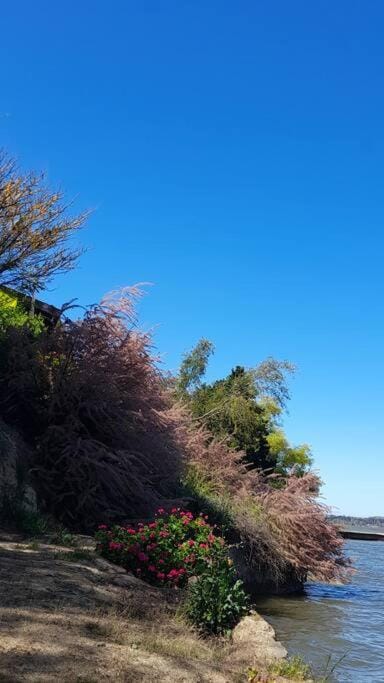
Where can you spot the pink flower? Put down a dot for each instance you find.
(204, 546)
(175, 510)
(172, 574)
(151, 568)
(131, 531)
(102, 526)
(142, 557)
(161, 511)
(164, 534)
(161, 561)
(191, 543)
(185, 520)
(160, 576)
(211, 538)
(152, 525)
(115, 546)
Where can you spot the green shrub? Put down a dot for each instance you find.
(294, 668)
(216, 601)
(12, 314)
(167, 550)
(172, 548)
(61, 536)
(28, 522)
(215, 503)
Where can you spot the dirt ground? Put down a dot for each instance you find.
(67, 615)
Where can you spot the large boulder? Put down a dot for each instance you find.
(255, 643)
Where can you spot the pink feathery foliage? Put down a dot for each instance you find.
(220, 465)
(109, 443)
(280, 522)
(90, 397)
(307, 540)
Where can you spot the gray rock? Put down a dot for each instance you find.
(15, 488)
(255, 642)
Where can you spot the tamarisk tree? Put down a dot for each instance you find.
(35, 228)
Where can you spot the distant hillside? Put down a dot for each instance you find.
(358, 521)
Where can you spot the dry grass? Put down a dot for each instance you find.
(83, 620)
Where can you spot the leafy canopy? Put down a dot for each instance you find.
(245, 408)
(13, 314)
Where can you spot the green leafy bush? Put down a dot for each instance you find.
(167, 550)
(216, 601)
(31, 523)
(170, 550)
(14, 513)
(12, 314)
(61, 536)
(294, 668)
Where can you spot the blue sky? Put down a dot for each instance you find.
(233, 155)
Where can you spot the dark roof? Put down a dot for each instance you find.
(50, 313)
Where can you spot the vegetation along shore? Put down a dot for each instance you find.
(156, 507)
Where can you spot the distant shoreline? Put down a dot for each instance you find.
(359, 523)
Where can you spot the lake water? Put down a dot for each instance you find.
(338, 621)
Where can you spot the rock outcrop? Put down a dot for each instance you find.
(15, 488)
(255, 642)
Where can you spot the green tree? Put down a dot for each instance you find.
(245, 408)
(193, 368)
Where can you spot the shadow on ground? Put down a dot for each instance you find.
(68, 616)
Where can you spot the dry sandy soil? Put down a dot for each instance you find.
(67, 615)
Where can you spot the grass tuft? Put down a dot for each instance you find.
(293, 668)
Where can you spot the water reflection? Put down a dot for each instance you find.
(338, 621)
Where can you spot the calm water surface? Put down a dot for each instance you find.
(338, 620)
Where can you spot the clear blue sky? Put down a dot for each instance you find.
(234, 155)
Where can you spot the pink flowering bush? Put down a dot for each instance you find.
(168, 550)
